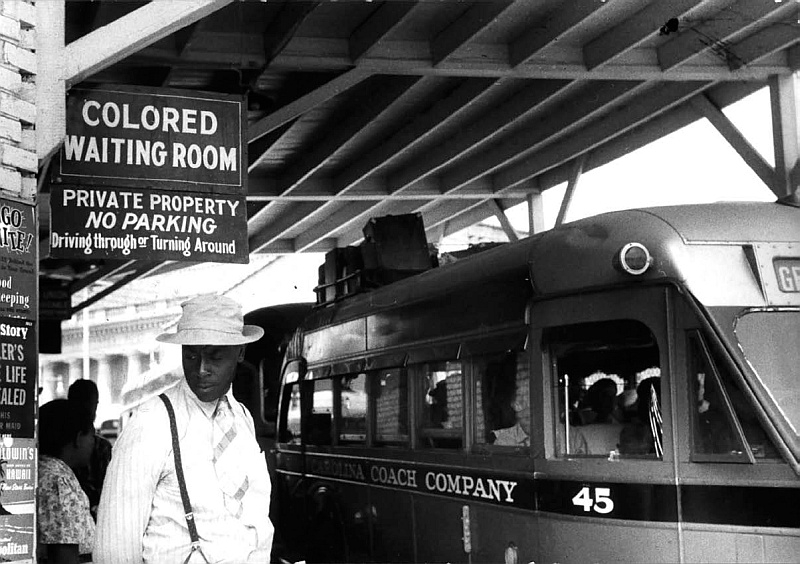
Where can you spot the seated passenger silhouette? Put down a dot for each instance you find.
(642, 436)
(602, 434)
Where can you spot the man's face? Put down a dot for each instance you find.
(210, 369)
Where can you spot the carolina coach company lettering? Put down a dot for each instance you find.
(420, 478)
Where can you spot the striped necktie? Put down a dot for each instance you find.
(227, 465)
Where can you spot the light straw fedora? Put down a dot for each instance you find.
(212, 320)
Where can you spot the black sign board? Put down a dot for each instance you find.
(136, 224)
(18, 376)
(55, 300)
(176, 139)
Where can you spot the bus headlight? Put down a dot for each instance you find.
(633, 258)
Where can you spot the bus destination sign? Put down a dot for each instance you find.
(140, 137)
(787, 271)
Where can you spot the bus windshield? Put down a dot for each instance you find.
(770, 341)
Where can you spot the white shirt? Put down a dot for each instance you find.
(141, 516)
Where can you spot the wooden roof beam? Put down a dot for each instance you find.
(497, 210)
(555, 24)
(659, 99)
(476, 19)
(595, 98)
(113, 42)
(377, 104)
(283, 115)
(785, 104)
(481, 131)
(734, 137)
(572, 185)
(280, 31)
(271, 223)
(629, 33)
(444, 111)
(387, 17)
(715, 35)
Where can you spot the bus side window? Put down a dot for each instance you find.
(319, 425)
(502, 400)
(722, 412)
(290, 415)
(442, 406)
(606, 390)
(389, 393)
(353, 408)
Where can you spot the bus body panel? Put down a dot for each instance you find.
(560, 302)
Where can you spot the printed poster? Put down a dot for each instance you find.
(18, 377)
(17, 498)
(18, 260)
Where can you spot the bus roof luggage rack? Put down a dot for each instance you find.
(394, 247)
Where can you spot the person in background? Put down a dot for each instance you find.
(84, 396)
(141, 518)
(65, 529)
(602, 434)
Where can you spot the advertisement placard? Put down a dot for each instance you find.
(147, 224)
(140, 137)
(17, 259)
(17, 498)
(18, 376)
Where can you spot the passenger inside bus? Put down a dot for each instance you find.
(504, 387)
(442, 409)
(643, 435)
(601, 434)
(593, 363)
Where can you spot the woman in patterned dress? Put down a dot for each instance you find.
(65, 527)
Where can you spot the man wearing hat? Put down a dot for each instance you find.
(141, 517)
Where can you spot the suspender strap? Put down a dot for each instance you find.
(176, 451)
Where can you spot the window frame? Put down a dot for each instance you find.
(746, 457)
(472, 382)
(426, 436)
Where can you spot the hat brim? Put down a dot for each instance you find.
(250, 334)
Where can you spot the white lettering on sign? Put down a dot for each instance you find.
(166, 119)
(789, 278)
(12, 331)
(144, 152)
(487, 488)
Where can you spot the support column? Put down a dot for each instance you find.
(134, 370)
(104, 376)
(575, 176)
(48, 380)
(75, 371)
(535, 212)
(785, 99)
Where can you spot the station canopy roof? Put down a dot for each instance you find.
(454, 109)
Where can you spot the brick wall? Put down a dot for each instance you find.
(18, 163)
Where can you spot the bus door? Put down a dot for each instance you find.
(288, 490)
(738, 495)
(605, 480)
(473, 476)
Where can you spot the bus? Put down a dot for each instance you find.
(624, 387)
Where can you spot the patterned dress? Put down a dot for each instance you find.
(62, 507)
